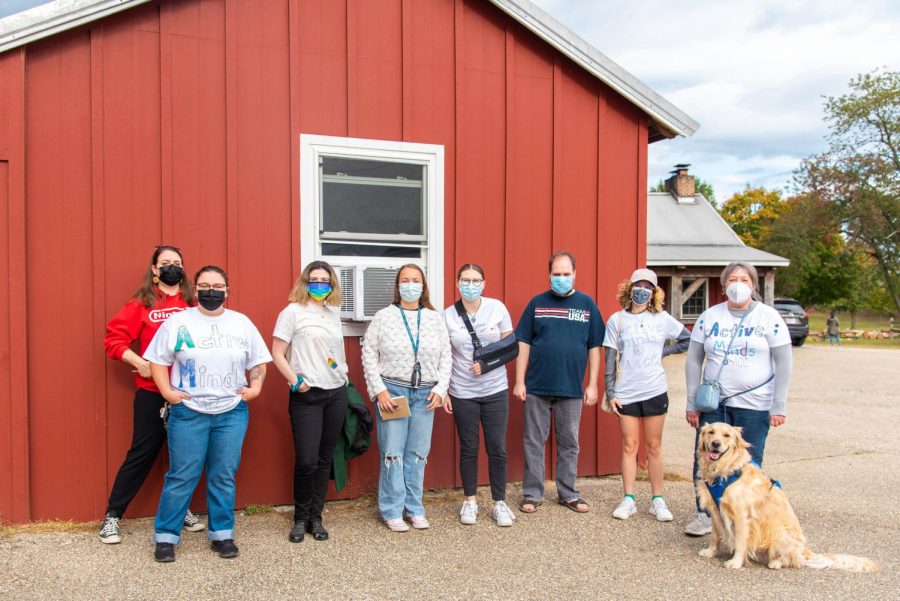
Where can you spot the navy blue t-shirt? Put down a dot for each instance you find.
(560, 331)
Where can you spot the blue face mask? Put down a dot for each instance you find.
(410, 292)
(470, 292)
(640, 296)
(561, 284)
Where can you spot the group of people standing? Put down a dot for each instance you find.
(199, 365)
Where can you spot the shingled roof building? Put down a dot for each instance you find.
(688, 244)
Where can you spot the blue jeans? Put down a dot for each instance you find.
(755, 426)
(404, 445)
(198, 440)
(833, 337)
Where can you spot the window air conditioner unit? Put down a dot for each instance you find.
(365, 290)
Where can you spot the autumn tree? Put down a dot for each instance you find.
(860, 172)
(751, 213)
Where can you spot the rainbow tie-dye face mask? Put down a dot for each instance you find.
(319, 290)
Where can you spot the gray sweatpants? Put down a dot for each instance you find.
(567, 414)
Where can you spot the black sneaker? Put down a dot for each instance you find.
(298, 531)
(109, 532)
(317, 530)
(225, 548)
(164, 553)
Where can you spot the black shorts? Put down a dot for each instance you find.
(658, 405)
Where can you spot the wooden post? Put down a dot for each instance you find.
(677, 297)
(769, 287)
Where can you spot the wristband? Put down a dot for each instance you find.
(296, 386)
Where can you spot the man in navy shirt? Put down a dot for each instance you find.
(560, 331)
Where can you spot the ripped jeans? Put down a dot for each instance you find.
(403, 445)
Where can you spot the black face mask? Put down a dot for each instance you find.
(211, 299)
(171, 274)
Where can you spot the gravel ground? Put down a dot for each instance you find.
(838, 467)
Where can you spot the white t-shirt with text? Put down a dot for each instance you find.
(750, 359)
(490, 321)
(209, 355)
(639, 339)
(316, 343)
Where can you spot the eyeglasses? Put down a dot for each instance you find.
(476, 283)
(219, 287)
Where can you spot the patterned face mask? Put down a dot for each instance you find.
(319, 290)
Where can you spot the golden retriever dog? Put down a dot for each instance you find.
(753, 517)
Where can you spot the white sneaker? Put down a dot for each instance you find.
(397, 525)
(503, 515)
(468, 513)
(626, 509)
(659, 509)
(701, 525)
(419, 522)
(192, 523)
(109, 532)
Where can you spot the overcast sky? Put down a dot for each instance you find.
(752, 73)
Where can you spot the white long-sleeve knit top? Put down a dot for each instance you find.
(387, 351)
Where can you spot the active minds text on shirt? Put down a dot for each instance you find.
(197, 377)
(724, 335)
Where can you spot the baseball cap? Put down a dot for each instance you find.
(644, 274)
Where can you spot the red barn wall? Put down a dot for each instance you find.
(179, 122)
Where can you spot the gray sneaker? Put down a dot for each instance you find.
(468, 513)
(192, 523)
(701, 525)
(109, 532)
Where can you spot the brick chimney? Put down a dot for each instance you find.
(680, 184)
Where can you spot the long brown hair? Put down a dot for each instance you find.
(300, 295)
(148, 292)
(424, 300)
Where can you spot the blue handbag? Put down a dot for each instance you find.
(709, 394)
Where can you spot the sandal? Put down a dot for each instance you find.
(574, 503)
(529, 502)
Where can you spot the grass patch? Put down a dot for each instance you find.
(254, 509)
(864, 321)
(47, 527)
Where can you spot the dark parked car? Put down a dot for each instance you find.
(795, 317)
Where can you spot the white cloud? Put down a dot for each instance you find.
(752, 73)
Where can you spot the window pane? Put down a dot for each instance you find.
(371, 208)
(365, 168)
(696, 304)
(365, 250)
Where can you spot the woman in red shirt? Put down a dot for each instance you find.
(163, 291)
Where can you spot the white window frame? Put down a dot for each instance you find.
(431, 156)
(705, 298)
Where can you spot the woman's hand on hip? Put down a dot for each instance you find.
(248, 394)
(174, 397)
(385, 402)
(776, 420)
(693, 418)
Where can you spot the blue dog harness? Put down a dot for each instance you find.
(717, 488)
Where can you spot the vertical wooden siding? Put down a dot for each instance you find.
(178, 122)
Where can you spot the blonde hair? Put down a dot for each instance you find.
(300, 295)
(656, 299)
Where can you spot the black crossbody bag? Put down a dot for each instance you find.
(494, 355)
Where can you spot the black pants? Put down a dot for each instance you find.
(492, 412)
(148, 436)
(317, 418)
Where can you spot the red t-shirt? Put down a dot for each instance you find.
(135, 321)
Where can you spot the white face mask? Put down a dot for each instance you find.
(738, 292)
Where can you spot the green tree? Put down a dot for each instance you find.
(751, 213)
(824, 269)
(702, 186)
(860, 172)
